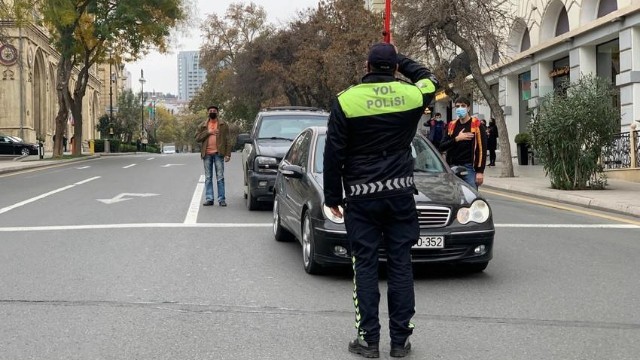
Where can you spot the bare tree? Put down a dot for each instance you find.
(443, 28)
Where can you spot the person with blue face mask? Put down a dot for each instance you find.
(465, 143)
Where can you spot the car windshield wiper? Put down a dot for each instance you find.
(275, 138)
(420, 170)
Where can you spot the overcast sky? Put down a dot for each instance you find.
(160, 71)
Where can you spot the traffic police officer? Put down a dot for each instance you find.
(368, 159)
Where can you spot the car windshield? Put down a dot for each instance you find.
(287, 127)
(426, 159)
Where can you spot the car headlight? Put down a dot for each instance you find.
(266, 164)
(478, 212)
(329, 215)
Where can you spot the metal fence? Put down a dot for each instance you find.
(618, 154)
(636, 134)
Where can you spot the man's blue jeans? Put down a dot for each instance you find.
(470, 178)
(211, 161)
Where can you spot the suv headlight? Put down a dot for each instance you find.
(266, 164)
(329, 215)
(478, 212)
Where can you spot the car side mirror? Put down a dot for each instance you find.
(292, 171)
(459, 171)
(243, 138)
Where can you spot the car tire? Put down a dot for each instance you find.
(475, 267)
(252, 201)
(246, 185)
(309, 248)
(25, 152)
(279, 232)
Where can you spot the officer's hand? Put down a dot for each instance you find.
(479, 178)
(227, 158)
(335, 210)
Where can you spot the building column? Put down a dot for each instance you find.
(629, 78)
(582, 61)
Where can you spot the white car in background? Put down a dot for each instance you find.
(169, 149)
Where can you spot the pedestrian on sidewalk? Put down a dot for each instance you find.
(369, 135)
(436, 130)
(215, 150)
(492, 141)
(466, 142)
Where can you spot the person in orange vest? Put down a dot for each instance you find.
(465, 143)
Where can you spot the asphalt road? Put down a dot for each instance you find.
(105, 259)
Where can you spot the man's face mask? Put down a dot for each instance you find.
(213, 115)
(461, 112)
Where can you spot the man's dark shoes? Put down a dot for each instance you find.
(208, 203)
(364, 349)
(222, 203)
(400, 350)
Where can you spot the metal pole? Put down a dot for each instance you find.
(110, 91)
(387, 21)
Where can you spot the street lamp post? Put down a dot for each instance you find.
(111, 79)
(142, 81)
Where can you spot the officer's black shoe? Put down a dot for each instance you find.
(361, 347)
(400, 350)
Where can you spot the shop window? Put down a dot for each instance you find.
(608, 65)
(560, 75)
(562, 26)
(524, 94)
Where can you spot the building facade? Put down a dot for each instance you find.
(190, 75)
(28, 99)
(555, 40)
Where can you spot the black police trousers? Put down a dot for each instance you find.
(370, 222)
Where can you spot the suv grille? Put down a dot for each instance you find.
(433, 216)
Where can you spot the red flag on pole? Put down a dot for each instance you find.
(387, 21)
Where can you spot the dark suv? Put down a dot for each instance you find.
(273, 131)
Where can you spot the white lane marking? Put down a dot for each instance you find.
(83, 167)
(123, 197)
(39, 197)
(134, 226)
(259, 225)
(150, 159)
(129, 166)
(169, 165)
(194, 206)
(569, 226)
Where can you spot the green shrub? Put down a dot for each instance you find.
(569, 132)
(523, 138)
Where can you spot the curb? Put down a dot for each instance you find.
(582, 201)
(36, 164)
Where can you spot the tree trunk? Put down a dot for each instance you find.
(62, 92)
(505, 147)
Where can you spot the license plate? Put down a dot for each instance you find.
(429, 242)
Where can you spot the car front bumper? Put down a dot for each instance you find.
(262, 185)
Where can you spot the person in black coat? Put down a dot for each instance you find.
(492, 141)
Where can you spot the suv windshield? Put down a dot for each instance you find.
(287, 127)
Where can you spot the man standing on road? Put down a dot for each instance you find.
(466, 143)
(213, 135)
(368, 151)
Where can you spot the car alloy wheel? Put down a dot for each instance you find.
(279, 233)
(25, 151)
(308, 247)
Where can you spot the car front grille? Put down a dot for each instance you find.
(433, 216)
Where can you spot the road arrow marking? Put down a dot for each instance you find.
(169, 165)
(124, 197)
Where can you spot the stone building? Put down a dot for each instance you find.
(28, 99)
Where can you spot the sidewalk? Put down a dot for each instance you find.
(619, 196)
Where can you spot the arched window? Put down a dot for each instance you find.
(562, 26)
(607, 6)
(526, 41)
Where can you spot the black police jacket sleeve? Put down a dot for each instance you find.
(415, 72)
(335, 153)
